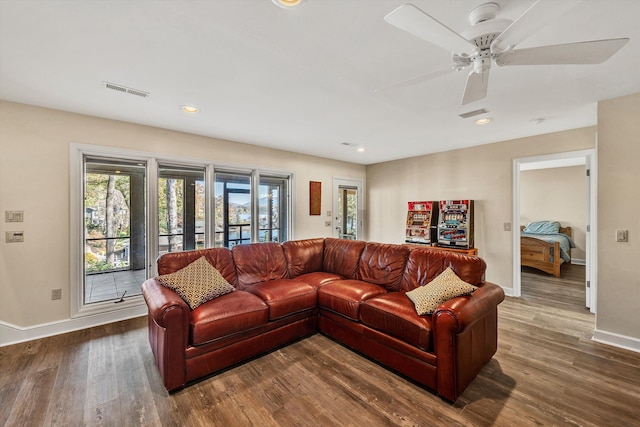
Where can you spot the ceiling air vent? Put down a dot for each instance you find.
(124, 89)
(473, 113)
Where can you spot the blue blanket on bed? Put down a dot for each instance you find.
(565, 241)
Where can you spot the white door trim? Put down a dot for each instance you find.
(348, 182)
(590, 156)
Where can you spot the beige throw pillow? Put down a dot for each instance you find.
(444, 287)
(197, 283)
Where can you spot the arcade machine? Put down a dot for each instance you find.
(422, 218)
(455, 227)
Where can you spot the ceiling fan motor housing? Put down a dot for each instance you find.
(484, 33)
(483, 13)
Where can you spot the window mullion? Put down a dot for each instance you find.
(152, 217)
(255, 205)
(210, 207)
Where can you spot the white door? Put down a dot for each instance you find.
(347, 209)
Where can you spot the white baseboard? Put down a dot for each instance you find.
(578, 261)
(507, 291)
(617, 340)
(13, 334)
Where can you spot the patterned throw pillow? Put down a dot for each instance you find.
(444, 287)
(197, 283)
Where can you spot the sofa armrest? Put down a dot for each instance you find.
(465, 337)
(466, 310)
(168, 321)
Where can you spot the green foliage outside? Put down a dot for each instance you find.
(96, 222)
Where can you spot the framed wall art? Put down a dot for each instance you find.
(315, 197)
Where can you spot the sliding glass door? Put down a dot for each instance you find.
(114, 228)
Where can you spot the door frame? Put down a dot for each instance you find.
(359, 186)
(591, 237)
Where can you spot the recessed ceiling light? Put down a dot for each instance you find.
(287, 4)
(483, 121)
(189, 108)
(360, 149)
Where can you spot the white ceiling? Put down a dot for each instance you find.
(303, 79)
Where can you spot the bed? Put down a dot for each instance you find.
(545, 246)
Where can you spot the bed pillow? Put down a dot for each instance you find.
(197, 283)
(446, 286)
(542, 227)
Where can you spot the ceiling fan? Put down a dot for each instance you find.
(491, 39)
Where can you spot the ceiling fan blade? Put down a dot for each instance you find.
(590, 52)
(476, 87)
(532, 20)
(421, 78)
(414, 21)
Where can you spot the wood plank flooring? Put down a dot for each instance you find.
(547, 371)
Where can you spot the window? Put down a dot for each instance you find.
(233, 209)
(181, 208)
(114, 228)
(272, 214)
(128, 207)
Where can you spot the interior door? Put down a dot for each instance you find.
(347, 207)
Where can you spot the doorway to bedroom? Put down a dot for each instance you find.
(550, 191)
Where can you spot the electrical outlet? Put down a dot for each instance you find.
(622, 235)
(56, 294)
(507, 226)
(327, 223)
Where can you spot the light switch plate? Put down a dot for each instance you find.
(507, 226)
(622, 235)
(13, 216)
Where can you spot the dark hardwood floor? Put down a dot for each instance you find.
(547, 371)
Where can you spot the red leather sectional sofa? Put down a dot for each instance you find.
(351, 291)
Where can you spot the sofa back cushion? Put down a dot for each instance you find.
(219, 258)
(425, 264)
(341, 256)
(259, 262)
(303, 256)
(383, 264)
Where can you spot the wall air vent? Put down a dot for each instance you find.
(473, 113)
(124, 89)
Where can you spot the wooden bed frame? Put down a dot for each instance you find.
(536, 253)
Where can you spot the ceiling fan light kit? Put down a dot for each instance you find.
(493, 40)
(287, 4)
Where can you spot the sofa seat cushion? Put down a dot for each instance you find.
(226, 315)
(319, 278)
(344, 296)
(394, 314)
(285, 296)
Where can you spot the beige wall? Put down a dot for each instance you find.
(619, 208)
(34, 178)
(558, 194)
(34, 171)
(482, 173)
